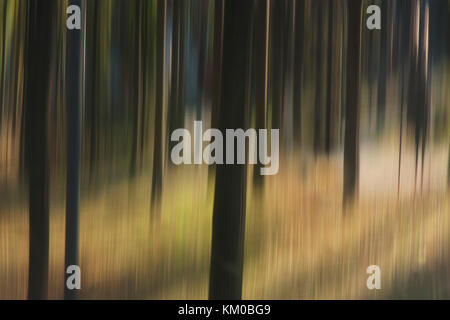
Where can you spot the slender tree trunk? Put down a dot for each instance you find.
(383, 68)
(261, 42)
(217, 58)
(217, 67)
(318, 95)
(94, 100)
(2, 75)
(74, 91)
(173, 115)
(159, 105)
(351, 144)
(137, 90)
(228, 226)
(329, 103)
(278, 17)
(40, 28)
(298, 67)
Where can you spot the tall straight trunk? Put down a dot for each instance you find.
(228, 225)
(318, 94)
(94, 97)
(40, 29)
(3, 68)
(217, 67)
(351, 143)
(261, 42)
(298, 67)
(217, 60)
(278, 23)
(329, 101)
(383, 67)
(174, 116)
(74, 91)
(159, 104)
(136, 90)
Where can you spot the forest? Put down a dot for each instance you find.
(348, 126)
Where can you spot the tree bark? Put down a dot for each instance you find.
(159, 105)
(40, 29)
(260, 73)
(329, 102)
(298, 67)
(74, 91)
(228, 225)
(318, 95)
(351, 143)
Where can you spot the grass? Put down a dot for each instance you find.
(299, 242)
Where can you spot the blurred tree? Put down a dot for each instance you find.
(175, 118)
(137, 90)
(383, 67)
(329, 102)
(228, 226)
(92, 80)
(298, 67)
(318, 144)
(351, 143)
(39, 39)
(418, 104)
(260, 57)
(217, 67)
(2, 57)
(158, 162)
(74, 91)
(278, 37)
(217, 60)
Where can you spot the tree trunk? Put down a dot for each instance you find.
(298, 66)
(40, 28)
(318, 95)
(3, 68)
(351, 143)
(260, 73)
(173, 114)
(74, 91)
(383, 72)
(329, 106)
(159, 105)
(228, 225)
(277, 18)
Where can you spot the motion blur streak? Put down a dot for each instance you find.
(146, 224)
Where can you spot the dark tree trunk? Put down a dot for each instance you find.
(2, 75)
(74, 92)
(228, 226)
(329, 103)
(173, 114)
(383, 72)
(40, 29)
(351, 144)
(298, 67)
(217, 60)
(260, 74)
(136, 89)
(278, 36)
(159, 105)
(318, 95)
(217, 67)
(94, 100)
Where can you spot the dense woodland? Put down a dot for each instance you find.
(86, 177)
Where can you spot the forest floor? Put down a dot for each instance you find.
(300, 243)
